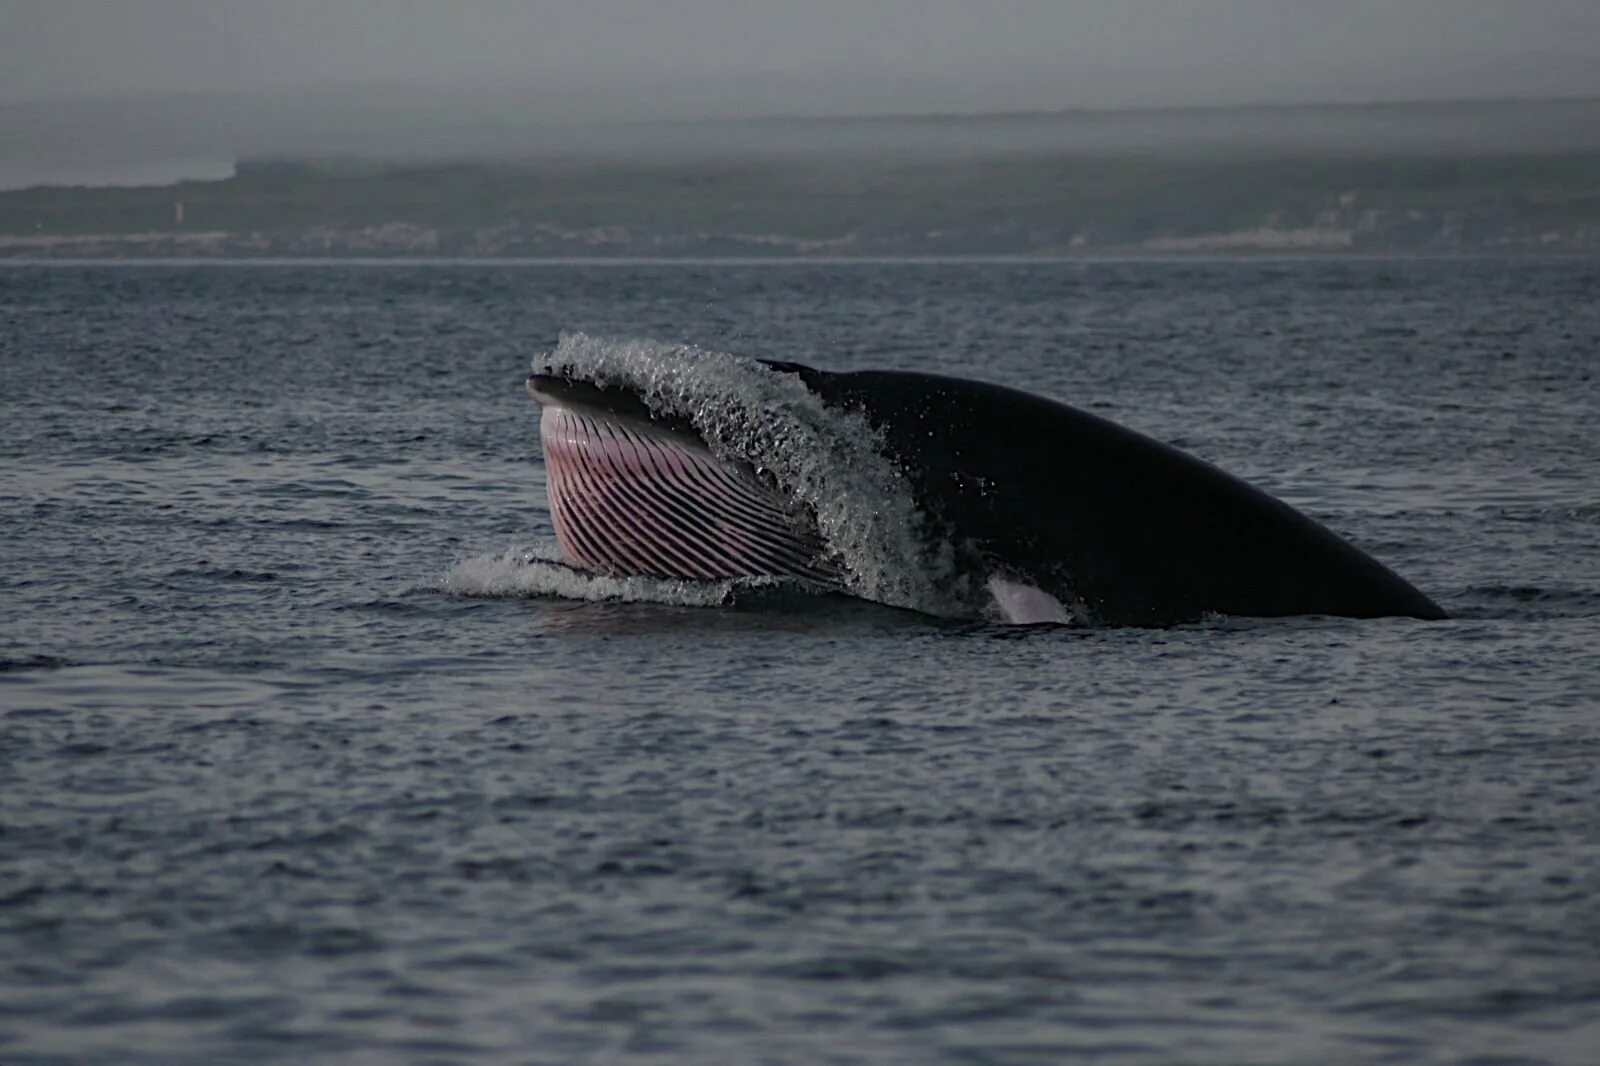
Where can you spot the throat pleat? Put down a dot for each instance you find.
(626, 498)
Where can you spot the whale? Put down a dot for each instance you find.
(1059, 515)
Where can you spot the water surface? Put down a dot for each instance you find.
(297, 763)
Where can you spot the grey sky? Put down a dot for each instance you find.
(682, 58)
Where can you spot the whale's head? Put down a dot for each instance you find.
(635, 492)
(953, 496)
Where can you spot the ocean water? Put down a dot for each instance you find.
(307, 755)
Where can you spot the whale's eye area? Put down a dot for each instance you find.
(631, 498)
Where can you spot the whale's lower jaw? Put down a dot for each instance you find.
(632, 498)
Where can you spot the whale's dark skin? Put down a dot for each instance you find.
(1135, 530)
(1129, 530)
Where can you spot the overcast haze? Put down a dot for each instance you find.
(149, 90)
(821, 55)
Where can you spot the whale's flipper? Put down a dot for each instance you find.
(1024, 604)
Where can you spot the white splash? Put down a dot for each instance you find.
(831, 461)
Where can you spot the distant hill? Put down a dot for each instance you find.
(1466, 177)
(119, 141)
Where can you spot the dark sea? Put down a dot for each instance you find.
(305, 755)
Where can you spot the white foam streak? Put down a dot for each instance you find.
(537, 570)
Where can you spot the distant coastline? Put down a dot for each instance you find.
(1040, 207)
(1060, 186)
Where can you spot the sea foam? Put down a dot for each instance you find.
(831, 461)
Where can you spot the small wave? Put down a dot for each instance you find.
(1532, 601)
(31, 662)
(1587, 514)
(537, 571)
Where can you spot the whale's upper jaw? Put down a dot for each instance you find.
(634, 493)
(553, 387)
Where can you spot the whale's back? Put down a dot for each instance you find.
(1136, 530)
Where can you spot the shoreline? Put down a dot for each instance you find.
(1018, 259)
